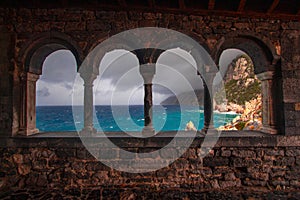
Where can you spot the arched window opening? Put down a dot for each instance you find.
(54, 92)
(243, 95)
(119, 93)
(178, 92)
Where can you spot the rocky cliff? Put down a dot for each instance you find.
(243, 93)
(192, 98)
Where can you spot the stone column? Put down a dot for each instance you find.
(208, 101)
(269, 116)
(27, 122)
(88, 104)
(147, 71)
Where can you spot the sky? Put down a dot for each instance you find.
(119, 81)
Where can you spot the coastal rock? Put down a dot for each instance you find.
(190, 126)
(250, 119)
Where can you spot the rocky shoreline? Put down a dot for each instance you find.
(250, 117)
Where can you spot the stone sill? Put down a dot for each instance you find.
(226, 139)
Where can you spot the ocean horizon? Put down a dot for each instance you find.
(124, 118)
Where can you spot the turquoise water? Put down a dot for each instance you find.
(165, 118)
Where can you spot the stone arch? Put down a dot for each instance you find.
(89, 70)
(97, 51)
(198, 48)
(267, 68)
(259, 48)
(35, 51)
(30, 60)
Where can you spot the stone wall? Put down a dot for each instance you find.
(6, 79)
(56, 168)
(86, 28)
(238, 166)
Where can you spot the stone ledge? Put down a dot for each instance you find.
(119, 193)
(228, 139)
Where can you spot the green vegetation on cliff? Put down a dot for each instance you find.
(241, 84)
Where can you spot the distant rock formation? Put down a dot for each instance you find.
(186, 98)
(241, 84)
(243, 93)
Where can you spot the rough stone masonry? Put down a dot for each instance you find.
(241, 165)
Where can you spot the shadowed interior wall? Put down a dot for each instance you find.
(42, 167)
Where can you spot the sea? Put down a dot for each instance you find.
(124, 118)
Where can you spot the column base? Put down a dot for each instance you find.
(28, 132)
(205, 129)
(148, 131)
(88, 131)
(269, 129)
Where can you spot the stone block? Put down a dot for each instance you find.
(229, 176)
(57, 26)
(216, 161)
(40, 165)
(244, 153)
(298, 160)
(42, 180)
(297, 106)
(75, 26)
(182, 163)
(98, 25)
(226, 153)
(100, 175)
(274, 152)
(241, 25)
(279, 182)
(147, 23)
(127, 155)
(292, 152)
(249, 182)
(108, 154)
(242, 162)
(290, 25)
(105, 15)
(295, 183)
(229, 184)
(18, 158)
(149, 153)
(96, 166)
(135, 15)
(24, 169)
(285, 161)
(65, 153)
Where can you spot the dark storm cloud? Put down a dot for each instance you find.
(119, 73)
(44, 92)
(59, 66)
(170, 65)
(68, 86)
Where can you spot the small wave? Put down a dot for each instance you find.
(226, 113)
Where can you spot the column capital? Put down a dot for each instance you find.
(32, 77)
(28, 76)
(268, 75)
(147, 55)
(147, 71)
(88, 78)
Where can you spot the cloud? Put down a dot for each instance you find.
(59, 66)
(120, 78)
(68, 86)
(43, 92)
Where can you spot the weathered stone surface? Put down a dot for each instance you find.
(98, 25)
(49, 168)
(244, 154)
